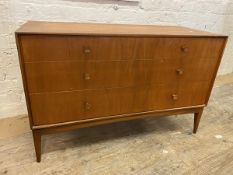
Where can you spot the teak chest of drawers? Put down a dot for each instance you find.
(79, 75)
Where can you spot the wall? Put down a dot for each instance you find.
(211, 15)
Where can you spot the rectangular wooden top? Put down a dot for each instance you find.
(69, 28)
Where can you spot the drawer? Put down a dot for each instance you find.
(51, 48)
(48, 108)
(79, 75)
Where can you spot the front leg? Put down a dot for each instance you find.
(37, 143)
(197, 118)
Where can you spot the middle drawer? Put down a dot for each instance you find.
(79, 75)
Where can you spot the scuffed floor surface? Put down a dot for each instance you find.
(152, 146)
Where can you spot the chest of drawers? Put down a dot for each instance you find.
(79, 75)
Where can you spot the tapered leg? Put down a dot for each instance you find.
(197, 118)
(37, 144)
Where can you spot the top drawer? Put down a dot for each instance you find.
(52, 48)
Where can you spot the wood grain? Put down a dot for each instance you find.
(70, 75)
(55, 48)
(52, 108)
(42, 27)
(89, 74)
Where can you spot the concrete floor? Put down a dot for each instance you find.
(162, 145)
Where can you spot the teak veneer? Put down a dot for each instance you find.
(79, 75)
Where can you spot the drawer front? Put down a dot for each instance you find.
(51, 48)
(79, 75)
(48, 108)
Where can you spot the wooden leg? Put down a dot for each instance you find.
(37, 144)
(197, 118)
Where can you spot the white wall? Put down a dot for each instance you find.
(211, 15)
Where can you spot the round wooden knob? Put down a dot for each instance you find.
(174, 96)
(87, 50)
(87, 106)
(184, 49)
(180, 71)
(87, 76)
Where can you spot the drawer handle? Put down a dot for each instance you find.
(87, 106)
(184, 49)
(87, 50)
(87, 76)
(180, 71)
(174, 96)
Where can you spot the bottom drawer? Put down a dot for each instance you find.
(50, 108)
